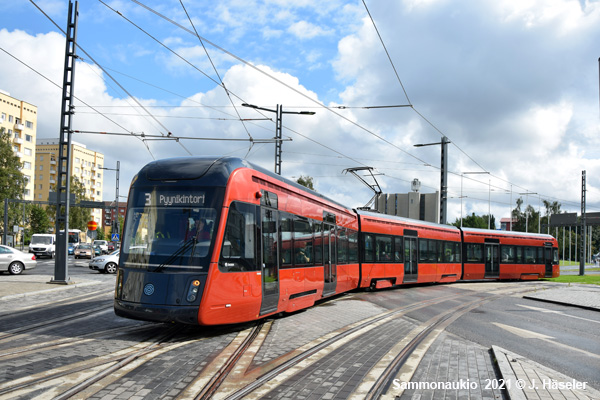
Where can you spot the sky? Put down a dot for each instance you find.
(513, 84)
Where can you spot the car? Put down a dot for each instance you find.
(97, 250)
(84, 250)
(107, 264)
(71, 249)
(15, 261)
(103, 245)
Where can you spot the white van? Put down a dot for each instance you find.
(43, 244)
(103, 245)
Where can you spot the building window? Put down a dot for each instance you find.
(28, 138)
(41, 158)
(3, 118)
(26, 165)
(28, 152)
(41, 168)
(29, 124)
(11, 118)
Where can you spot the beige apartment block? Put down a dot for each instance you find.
(86, 166)
(19, 119)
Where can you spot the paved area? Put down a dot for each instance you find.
(450, 359)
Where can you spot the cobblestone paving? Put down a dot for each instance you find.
(451, 359)
(339, 373)
(288, 334)
(168, 374)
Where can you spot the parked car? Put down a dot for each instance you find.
(103, 245)
(15, 261)
(106, 264)
(97, 250)
(84, 250)
(111, 246)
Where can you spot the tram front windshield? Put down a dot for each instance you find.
(159, 238)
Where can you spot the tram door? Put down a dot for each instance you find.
(269, 265)
(329, 259)
(548, 259)
(411, 265)
(492, 260)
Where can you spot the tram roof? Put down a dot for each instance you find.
(506, 233)
(217, 169)
(406, 220)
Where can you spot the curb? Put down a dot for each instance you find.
(37, 292)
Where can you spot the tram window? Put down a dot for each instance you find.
(383, 251)
(303, 241)
(285, 225)
(530, 255)
(555, 256)
(352, 246)
(450, 252)
(239, 243)
(342, 246)
(540, 255)
(507, 254)
(474, 253)
(398, 249)
(519, 255)
(318, 246)
(423, 250)
(369, 248)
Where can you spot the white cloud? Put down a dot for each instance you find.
(306, 30)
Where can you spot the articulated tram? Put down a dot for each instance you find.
(219, 240)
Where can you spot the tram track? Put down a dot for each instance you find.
(231, 374)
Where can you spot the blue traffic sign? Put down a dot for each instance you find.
(114, 237)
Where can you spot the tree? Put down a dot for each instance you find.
(306, 181)
(38, 220)
(476, 221)
(78, 216)
(12, 180)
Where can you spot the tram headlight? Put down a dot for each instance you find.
(192, 294)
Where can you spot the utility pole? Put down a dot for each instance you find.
(115, 227)
(583, 230)
(278, 124)
(443, 176)
(61, 274)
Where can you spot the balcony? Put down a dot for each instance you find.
(52, 181)
(52, 162)
(19, 127)
(52, 172)
(18, 140)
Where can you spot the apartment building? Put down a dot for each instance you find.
(111, 215)
(86, 166)
(19, 119)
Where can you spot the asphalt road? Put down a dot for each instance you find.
(76, 268)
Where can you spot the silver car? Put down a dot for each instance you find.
(15, 261)
(107, 264)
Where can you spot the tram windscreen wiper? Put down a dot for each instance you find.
(190, 243)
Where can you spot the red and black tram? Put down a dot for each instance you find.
(219, 240)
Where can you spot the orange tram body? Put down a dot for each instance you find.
(214, 241)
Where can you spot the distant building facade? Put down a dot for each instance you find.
(415, 205)
(506, 224)
(19, 119)
(111, 216)
(86, 166)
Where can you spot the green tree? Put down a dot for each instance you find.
(38, 220)
(12, 181)
(78, 216)
(306, 181)
(476, 221)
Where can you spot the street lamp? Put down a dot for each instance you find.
(443, 177)
(278, 139)
(527, 214)
(116, 218)
(461, 192)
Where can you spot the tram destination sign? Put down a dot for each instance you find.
(170, 199)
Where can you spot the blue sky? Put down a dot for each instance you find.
(513, 84)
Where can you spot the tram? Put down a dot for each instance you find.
(214, 241)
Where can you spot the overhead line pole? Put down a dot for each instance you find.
(61, 273)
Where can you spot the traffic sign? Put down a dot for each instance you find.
(114, 237)
(92, 225)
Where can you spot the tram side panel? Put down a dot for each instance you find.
(508, 255)
(401, 251)
(274, 239)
